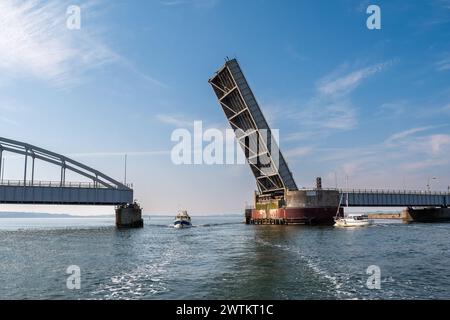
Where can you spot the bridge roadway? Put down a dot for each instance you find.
(393, 198)
(70, 193)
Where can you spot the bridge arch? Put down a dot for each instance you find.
(33, 152)
(103, 190)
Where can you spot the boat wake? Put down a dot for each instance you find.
(205, 225)
(337, 280)
(218, 224)
(144, 281)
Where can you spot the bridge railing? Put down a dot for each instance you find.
(55, 184)
(382, 191)
(393, 191)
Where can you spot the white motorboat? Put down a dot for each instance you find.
(352, 220)
(182, 220)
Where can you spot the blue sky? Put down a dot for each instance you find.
(373, 105)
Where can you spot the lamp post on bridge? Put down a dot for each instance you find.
(125, 178)
(2, 167)
(335, 180)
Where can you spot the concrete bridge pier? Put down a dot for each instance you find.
(129, 216)
(431, 214)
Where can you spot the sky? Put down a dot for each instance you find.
(361, 108)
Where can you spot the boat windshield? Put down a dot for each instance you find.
(183, 216)
(358, 217)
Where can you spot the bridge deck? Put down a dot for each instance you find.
(394, 198)
(16, 192)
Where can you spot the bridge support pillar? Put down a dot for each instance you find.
(129, 216)
(426, 214)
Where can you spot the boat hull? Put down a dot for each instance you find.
(345, 224)
(182, 225)
(292, 216)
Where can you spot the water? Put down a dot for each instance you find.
(221, 258)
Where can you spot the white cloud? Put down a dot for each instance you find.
(118, 154)
(428, 163)
(383, 165)
(321, 116)
(8, 111)
(443, 64)
(345, 83)
(437, 142)
(404, 134)
(175, 120)
(302, 136)
(445, 4)
(299, 152)
(293, 53)
(7, 107)
(197, 3)
(8, 121)
(34, 41)
(392, 109)
(341, 116)
(432, 145)
(142, 75)
(331, 109)
(413, 154)
(351, 168)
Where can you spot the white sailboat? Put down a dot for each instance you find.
(350, 220)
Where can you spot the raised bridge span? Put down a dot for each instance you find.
(99, 190)
(278, 199)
